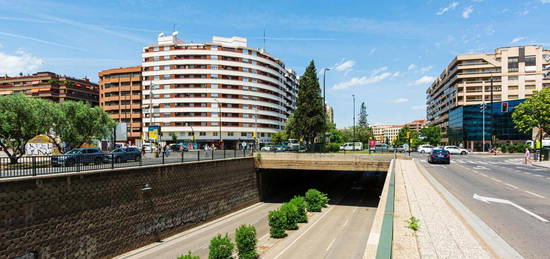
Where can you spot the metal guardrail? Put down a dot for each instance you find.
(44, 165)
(384, 250)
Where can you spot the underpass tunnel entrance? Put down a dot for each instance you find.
(342, 187)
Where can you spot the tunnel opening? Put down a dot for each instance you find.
(348, 188)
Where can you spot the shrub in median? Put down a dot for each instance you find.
(221, 247)
(291, 214)
(300, 204)
(277, 222)
(315, 200)
(245, 237)
(188, 256)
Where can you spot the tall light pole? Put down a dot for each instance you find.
(324, 107)
(353, 95)
(220, 119)
(192, 133)
(483, 107)
(492, 117)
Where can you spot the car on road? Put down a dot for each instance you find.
(352, 146)
(425, 149)
(439, 156)
(382, 148)
(120, 155)
(79, 156)
(268, 148)
(281, 148)
(178, 148)
(456, 150)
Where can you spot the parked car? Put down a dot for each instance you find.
(439, 156)
(425, 149)
(268, 148)
(382, 148)
(178, 148)
(352, 146)
(79, 156)
(124, 154)
(456, 150)
(281, 148)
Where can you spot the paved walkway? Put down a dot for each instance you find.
(544, 164)
(442, 233)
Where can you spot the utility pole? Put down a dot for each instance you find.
(353, 95)
(220, 120)
(492, 118)
(483, 107)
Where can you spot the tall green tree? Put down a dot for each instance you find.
(363, 116)
(78, 123)
(431, 134)
(533, 113)
(309, 120)
(21, 119)
(279, 137)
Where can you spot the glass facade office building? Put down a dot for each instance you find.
(466, 125)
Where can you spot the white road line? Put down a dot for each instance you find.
(489, 200)
(538, 175)
(330, 245)
(511, 185)
(536, 195)
(345, 223)
(548, 178)
(301, 235)
(482, 174)
(496, 180)
(264, 237)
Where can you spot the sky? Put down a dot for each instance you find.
(386, 53)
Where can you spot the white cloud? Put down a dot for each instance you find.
(426, 69)
(545, 1)
(418, 107)
(41, 41)
(400, 100)
(412, 67)
(376, 76)
(396, 74)
(424, 80)
(518, 39)
(348, 64)
(22, 62)
(467, 11)
(452, 6)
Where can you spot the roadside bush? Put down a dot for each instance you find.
(277, 222)
(504, 148)
(221, 247)
(188, 256)
(300, 204)
(333, 147)
(245, 237)
(316, 200)
(291, 214)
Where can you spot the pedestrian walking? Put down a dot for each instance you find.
(206, 149)
(527, 155)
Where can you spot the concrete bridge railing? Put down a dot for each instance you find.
(323, 161)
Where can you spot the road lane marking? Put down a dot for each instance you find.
(538, 175)
(482, 174)
(303, 233)
(511, 185)
(489, 200)
(345, 223)
(479, 167)
(496, 180)
(536, 195)
(330, 245)
(263, 237)
(548, 178)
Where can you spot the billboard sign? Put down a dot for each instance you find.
(153, 133)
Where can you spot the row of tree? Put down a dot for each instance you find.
(72, 123)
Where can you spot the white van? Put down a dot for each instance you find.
(352, 146)
(545, 143)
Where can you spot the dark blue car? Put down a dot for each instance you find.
(440, 156)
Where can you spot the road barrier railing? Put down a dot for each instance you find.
(43, 165)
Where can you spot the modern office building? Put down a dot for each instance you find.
(221, 91)
(385, 132)
(51, 86)
(514, 72)
(466, 125)
(416, 125)
(120, 96)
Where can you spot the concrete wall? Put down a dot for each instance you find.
(105, 213)
(323, 162)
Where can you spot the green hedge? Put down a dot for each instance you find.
(292, 215)
(221, 247)
(514, 148)
(300, 203)
(188, 256)
(316, 200)
(277, 221)
(245, 237)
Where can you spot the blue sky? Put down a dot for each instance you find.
(384, 52)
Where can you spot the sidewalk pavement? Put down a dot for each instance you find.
(544, 164)
(442, 233)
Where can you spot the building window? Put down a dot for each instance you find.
(245, 60)
(245, 106)
(215, 134)
(202, 134)
(156, 68)
(214, 76)
(214, 95)
(231, 134)
(156, 49)
(214, 57)
(166, 68)
(246, 125)
(166, 48)
(203, 104)
(189, 133)
(165, 77)
(245, 87)
(245, 69)
(156, 58)
(512, 78)
(214, 47)
(156, 78)
(246, 115)
(214, 86)
(214, 67)
(245, 97)
(243, 134)
(513, 64)
(530, 61)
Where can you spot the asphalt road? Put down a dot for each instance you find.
(149, 159)
(340, 233)
(523, 224)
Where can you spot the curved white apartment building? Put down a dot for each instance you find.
(208, 88)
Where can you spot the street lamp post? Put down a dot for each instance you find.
(220, 120)
(192, 133)
(492, 117)
(353, 95)
(324, 107)
(483, 107)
